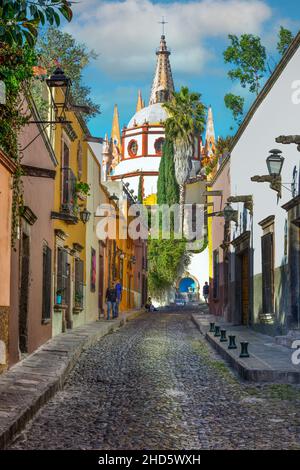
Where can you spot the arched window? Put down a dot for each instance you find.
(133, 148)
(158, 145)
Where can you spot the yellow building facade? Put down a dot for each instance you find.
(69, 274)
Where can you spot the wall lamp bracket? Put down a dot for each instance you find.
(275, 182)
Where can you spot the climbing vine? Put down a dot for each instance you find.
(16, 68)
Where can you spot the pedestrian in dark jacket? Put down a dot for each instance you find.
(111, 299)
(206, 292)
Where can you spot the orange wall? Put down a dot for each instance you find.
(5, 234)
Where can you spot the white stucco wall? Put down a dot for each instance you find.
(277, 115)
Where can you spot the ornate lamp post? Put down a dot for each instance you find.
(85, 215)
(274, 163)
(59, 80)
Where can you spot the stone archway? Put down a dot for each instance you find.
(188, 288)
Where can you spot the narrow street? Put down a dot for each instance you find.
(156, 384)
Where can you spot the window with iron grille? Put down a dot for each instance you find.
(47, 273)
(78, 283)
(267, 253)
(216, 274)
(62, 274)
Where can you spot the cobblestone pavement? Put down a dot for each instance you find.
(156, 384)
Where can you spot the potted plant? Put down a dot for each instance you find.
(59, 293)
(82, 190)
(78, 299)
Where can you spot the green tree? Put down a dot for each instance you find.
(285, 37)
(248, 56)
(140, 190)
(161, 182)
(20, 19)
(186, 120)
(236, 105)
(167, 186)
(57, 47)
(223, 145)
(167, 261)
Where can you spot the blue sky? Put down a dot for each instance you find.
(126, 33)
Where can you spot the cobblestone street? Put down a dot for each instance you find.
(156, 384)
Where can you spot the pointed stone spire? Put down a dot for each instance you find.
(210, 129)
(106, 157)
(210, 138)
(163, 84)
(115, 131)
(139, 104)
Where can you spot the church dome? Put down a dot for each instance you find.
(153, 114)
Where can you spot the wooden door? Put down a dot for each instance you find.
(101, 278)
(245, 287)
(67, 275)
(24, 294)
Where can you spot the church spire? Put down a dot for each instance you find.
(210, 139)
(163, 85)
(115, 131)
(210, 129)
(140, 103)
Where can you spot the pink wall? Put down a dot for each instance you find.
(5, 231)
(39, 197)
(222, 183)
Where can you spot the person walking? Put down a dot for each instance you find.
(206, 292)
(119, 297)
(111, 299)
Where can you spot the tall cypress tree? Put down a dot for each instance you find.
(140, 191)
(167, 186)
(171, 185)
(161, 182)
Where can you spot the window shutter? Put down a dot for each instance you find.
(267, 272)
(79, 282)
(47, 271)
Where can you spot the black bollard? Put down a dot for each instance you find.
(211, 327)
(223, 338)
(217, 331)
(244, 349)
(232, 344)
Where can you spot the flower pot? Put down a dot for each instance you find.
(82, 196)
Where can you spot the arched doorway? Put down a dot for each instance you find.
(187, 288)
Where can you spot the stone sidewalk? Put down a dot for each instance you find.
(32, 382)
(268, 361)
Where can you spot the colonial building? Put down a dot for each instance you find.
(262, 243)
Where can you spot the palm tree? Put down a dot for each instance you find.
(186, 120)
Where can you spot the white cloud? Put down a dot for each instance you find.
(125, 33)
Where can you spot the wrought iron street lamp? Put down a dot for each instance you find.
(275, 162)
(59, 80)
(229, 213)
(85, 215)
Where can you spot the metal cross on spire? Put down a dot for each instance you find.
(163, 22)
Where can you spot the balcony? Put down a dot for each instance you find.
(69, 207)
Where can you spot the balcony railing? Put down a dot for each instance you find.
(69, 202)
